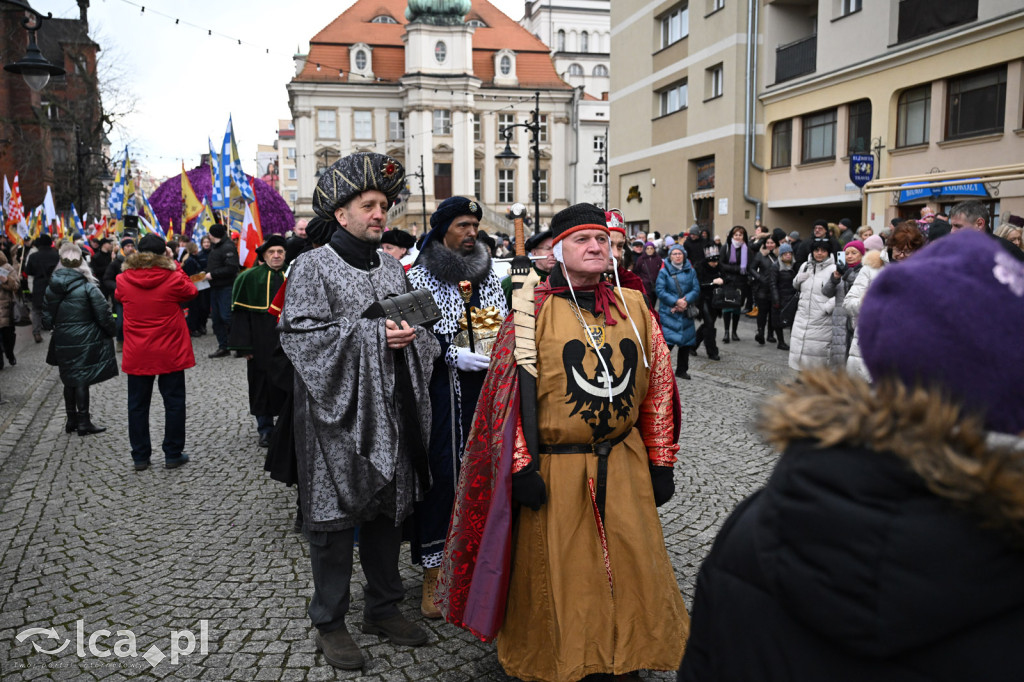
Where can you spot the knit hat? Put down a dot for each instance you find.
(695, 231)
(778, 234)
(821, 244)
(874, 243)
(676, 247)
(941, 318)
(126, 241)
(669, 241)
(794, 235)
(354, 174)
(43, 241)
(575, 218)
(847, 223)
(857, 244)
(447, 211)
(399, 238)
(218, 231)
(785, 248)
(820, 222)
(151, 243)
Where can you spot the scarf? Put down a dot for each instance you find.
(742, 248)
(597, 298)
(357, 253)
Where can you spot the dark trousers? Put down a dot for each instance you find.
(764, 309)
(220, 311)
(7, 337)
(118, 311)
(706, 331)
(198, 311)
(264, 424)
(140, 395)
(330, 554)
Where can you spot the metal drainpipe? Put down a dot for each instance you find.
(748, 114)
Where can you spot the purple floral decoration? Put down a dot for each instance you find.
(275, 215)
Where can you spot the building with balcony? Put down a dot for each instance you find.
(683, 103)
(926, 88)
(434, 90)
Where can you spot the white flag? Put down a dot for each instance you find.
(50, 210)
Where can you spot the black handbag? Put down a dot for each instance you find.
(416, 307)
(726, 296)
(692, 310)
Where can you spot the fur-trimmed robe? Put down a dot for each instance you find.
(886, 546)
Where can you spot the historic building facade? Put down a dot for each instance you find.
(434, 90)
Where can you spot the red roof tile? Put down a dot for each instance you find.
(329, 47)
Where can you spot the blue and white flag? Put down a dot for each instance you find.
(235, 164)
(218, 172)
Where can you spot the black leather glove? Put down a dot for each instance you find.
(841, 270)
(528, 487)
(661, 480)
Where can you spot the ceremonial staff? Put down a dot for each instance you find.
(524, 279)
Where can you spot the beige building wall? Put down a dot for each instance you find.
(654, 157)
(799, 193)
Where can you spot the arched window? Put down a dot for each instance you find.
(561, 41)
(506, 65)
(584, 42)
(575, 70)
(476, 23)
(601, 71)
(383, 19)
(361, 59)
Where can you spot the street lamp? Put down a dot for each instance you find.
(603, 162)
(507, 156)
(423, 191)
(33, 67)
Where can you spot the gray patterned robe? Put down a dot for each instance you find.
(352, 459)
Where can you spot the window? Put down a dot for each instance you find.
(542, 186)
(675, 25)
(290, 153)
(542, 134)
(361, 59)
(476, 23)
(505, 65)
(859, 129)
(504, 121)
(326, 124)
(598, 178)
(976, 104)
(292, 196)
(383, 19)
(291, 174)
(715, 81)
(395, 125)
(561, 40)
(506, 185)
(673, 99)
(599, 144)
(362, 125)
(60, 151)
(50, 110)
(440, 52)
(912, 114)
(584, 42)
(575, 70)
(600, 71)
(477, 182)
(477, 135)
(819, 136)
(782, 143)
(849, 7)
(442, 122)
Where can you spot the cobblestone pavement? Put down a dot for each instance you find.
(83, 537)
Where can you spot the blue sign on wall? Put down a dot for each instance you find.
(862, 168)
(969, 187)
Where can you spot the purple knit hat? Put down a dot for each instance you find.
(952, 315)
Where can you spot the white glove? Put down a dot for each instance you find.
(468, 361)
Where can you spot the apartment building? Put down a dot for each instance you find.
(931, 91)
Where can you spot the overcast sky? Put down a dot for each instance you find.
(185, 82)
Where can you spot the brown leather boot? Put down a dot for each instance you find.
(427, 607)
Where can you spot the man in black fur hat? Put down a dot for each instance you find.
(451, 254)
(396, 243)
(254, 331)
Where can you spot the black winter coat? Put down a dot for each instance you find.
(40, 267)
(109, 282)
(847, 566)
(82, 344)
(222, 263)
(761, 274)
(780, 283)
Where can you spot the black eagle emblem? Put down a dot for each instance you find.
(589, 395)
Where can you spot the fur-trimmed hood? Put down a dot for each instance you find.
(942, 442)
(142, 259)
(451, 267)
(873, 259)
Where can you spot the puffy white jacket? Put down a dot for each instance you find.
(812, 327)
(872, 265)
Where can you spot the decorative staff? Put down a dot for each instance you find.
(466, 291)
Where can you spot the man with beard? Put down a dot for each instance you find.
(362, 407)
(451, 253)
(254, 332)
(539, 248)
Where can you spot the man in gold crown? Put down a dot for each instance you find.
(451, 254)
(555, 547)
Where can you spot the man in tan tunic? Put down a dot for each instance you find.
(556, 549)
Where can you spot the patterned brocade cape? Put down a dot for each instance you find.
(582, 595)
(353, 460)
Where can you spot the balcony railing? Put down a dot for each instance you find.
(796, 59)
(919, 18)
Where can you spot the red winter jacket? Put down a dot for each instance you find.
(156, 339)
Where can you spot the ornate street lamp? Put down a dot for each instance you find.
(423, 192)
(508, 157)
(33, 67)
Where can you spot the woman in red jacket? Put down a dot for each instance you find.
(156, 345)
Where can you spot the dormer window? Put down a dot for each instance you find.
(383, 19)
(360, 61)
(476, 23)
(505, 67)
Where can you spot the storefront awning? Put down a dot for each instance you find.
(703, 194)
(911, 192)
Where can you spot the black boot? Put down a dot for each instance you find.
(85, 425)
(683, 362)
(726, 322)
(782, 341)
(759, 336)
(69, 407)
(735, 324)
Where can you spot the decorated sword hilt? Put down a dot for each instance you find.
(466, 292)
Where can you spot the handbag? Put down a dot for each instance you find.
(726, 296)
(692, 309)
(415, 307)
(19, 312)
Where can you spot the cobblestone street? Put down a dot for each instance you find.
(87, 544)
